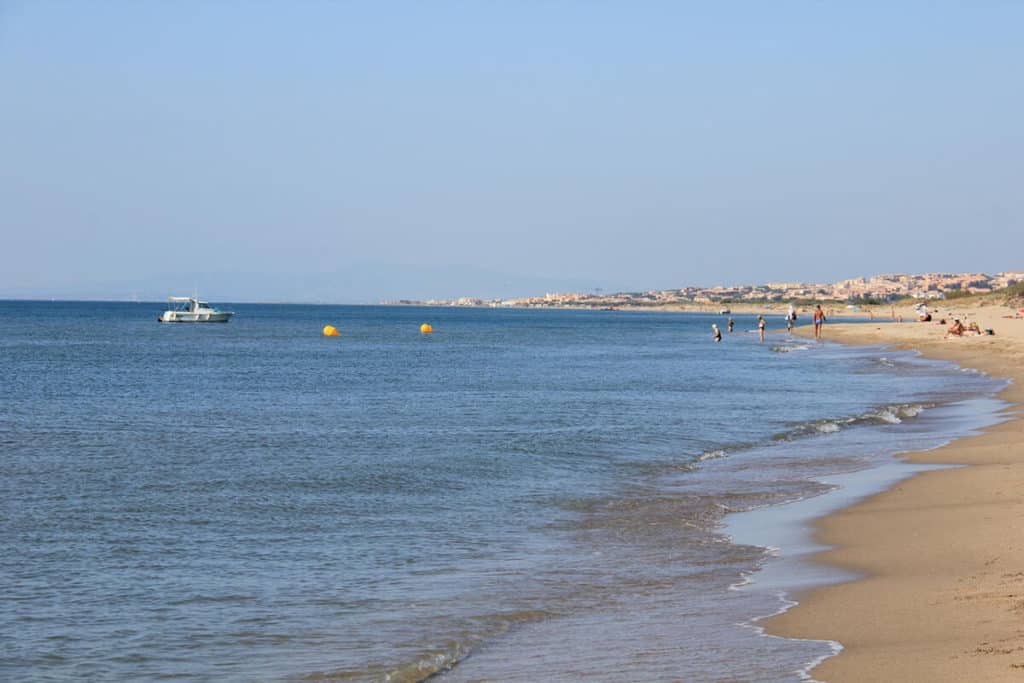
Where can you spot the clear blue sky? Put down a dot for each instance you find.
(354, 151)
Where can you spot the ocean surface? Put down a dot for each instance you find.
(520, 496)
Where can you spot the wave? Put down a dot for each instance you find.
(788, 348)
(891, 414)
(429, 664)
(712, 455)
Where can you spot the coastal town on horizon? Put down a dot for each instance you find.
(874, 289)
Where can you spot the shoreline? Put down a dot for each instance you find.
(941, 593)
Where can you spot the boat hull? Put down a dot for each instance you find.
(188, 317)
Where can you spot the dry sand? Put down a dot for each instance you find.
(942, 553)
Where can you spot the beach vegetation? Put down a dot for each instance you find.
(1014, 292)
(1013, 295)
(865, 301)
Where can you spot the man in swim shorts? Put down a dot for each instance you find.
(819, 319)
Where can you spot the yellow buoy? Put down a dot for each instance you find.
(425, 328)
(331, 331)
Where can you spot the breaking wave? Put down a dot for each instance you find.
(788, 348)
(432, 663)
(711, 455)
(429, 665)
(892, 414)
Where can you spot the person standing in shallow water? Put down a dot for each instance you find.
(819, 319)
(731, 324)
(760, 326)
(717, 333)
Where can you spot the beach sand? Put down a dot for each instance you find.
(942, 554)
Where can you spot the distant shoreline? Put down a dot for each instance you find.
(834, 309)
(905, 310)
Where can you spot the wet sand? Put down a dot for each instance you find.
(942, 554)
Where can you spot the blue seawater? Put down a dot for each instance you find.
(521, 495)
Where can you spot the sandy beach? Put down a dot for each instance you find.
(942, 554)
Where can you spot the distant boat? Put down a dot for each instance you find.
(724, 311)
(189, 309)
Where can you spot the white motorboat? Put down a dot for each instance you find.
(189, 309)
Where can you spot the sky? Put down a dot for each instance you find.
(354, 152)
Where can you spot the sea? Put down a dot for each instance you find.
(522, 495)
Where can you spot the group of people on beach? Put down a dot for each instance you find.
(762, 324)
(958, 329)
